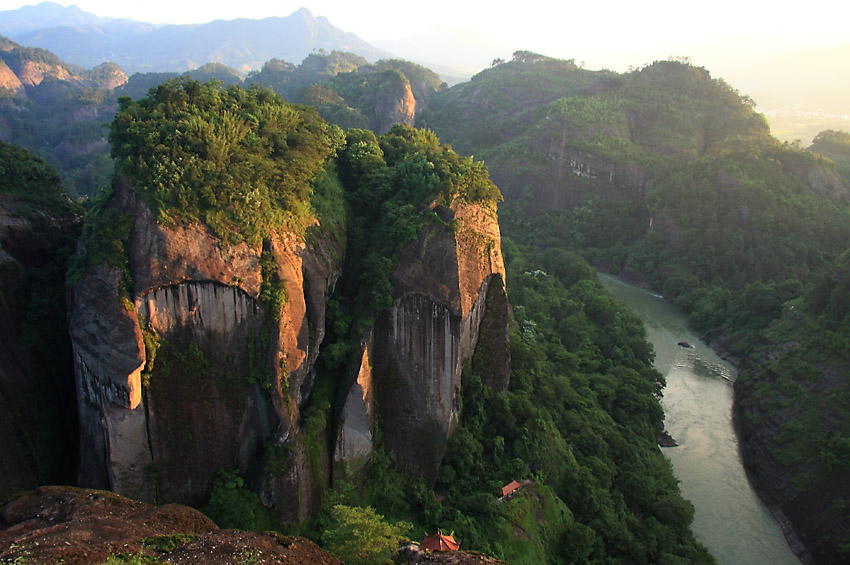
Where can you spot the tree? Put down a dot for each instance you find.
(360, 535)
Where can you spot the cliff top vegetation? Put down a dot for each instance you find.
(241, 161)
(30, 178)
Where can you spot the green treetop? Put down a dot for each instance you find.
(241, 161)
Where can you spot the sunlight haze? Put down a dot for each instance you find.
(745, 43)
(605, 31)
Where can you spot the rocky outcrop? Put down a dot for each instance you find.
(10, 84)
(572, 170)
(440, 292)
(193, 373)
(354, 438)
(107, 75)
(801, 495)
(822, 181)
(33, 73)
(394, 104)
(81, 526)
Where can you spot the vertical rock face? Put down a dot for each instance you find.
(394, 104)
(572, 170)
(36, 390)
(421, 342)
(354, 439)
(192, 373)
(109, 356)
(10, 84)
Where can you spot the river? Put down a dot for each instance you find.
(729, 517)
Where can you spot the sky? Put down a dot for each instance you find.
(605, 33)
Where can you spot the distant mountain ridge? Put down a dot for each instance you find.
(87, 40)
(45, 15)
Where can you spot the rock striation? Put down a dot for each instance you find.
(409, 374)
(187, 371)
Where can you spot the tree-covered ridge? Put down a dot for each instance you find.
(241, 161)
(348, 98)
(287, 79)
(834, 145)
(25, 175)
(667, 109)
(675, 176)
(16, 55)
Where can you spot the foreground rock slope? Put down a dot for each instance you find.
(82, 526)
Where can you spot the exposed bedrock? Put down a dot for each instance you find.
(189, 373)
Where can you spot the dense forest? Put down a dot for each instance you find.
(605, 489)
(675, 183)
(663, 175)
(582, 400)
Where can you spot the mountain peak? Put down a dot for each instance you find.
(43, 15)
(304, 13)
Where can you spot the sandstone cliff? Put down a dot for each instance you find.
(10, 84)
(394, 103)
(409, 373)
(189, 372)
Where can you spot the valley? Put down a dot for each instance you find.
(292, 299)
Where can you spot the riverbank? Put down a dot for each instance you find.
(723, 347)
(729, 518)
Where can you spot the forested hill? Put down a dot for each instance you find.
(670, 179)
(664, 173)
(575, 416)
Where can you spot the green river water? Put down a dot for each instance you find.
(729, 518)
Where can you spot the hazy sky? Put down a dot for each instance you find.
(604, 33)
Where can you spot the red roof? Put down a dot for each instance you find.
(439, 542)
(510, 487)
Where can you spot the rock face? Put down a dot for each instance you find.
(572, 170)
(10, 84)
(394, 104)
(808, 515)
(354, 438)
(36, 396)
(190, 373)
(440, 292)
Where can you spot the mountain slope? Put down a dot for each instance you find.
(44, 15)
(669, 178)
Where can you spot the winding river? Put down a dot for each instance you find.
(729, 517)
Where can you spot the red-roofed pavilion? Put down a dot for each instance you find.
(510, 488)
(439, 542)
